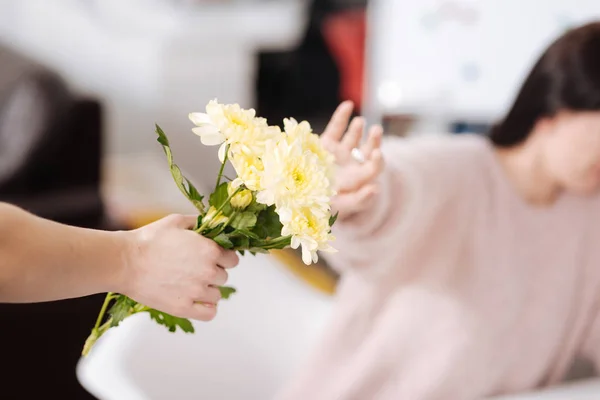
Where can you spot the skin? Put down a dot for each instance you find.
(356, 184)
(560, 155)
(163, 265)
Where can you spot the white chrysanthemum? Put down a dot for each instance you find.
(293, 178)
(308, 230)
(248, 169)
(310, 142)
(229, 124)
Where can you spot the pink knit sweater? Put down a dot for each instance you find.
(454, 287)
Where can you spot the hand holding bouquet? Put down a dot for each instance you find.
(280, 197)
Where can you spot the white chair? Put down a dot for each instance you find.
(254, 345)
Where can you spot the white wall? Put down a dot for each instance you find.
(460, 59)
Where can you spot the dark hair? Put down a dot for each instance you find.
(566, 77)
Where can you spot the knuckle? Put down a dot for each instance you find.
(211, 274)
(181, 311)
(198, 288)
(213, 250)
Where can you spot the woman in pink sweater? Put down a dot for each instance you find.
(471, 265)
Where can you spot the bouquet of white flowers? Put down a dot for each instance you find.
(280, 197)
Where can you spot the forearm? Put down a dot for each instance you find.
(42, 260)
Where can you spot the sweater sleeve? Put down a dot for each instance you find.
(418, 181)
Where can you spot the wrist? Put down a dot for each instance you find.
(126, 252)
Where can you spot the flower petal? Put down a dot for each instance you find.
(236, 183)
(265, 197)
(209, 136)
(199, 118)
(306, 256)
(222, 150)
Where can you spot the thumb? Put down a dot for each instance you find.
(181, 221)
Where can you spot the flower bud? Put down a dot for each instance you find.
(215, 219)
(242, 199)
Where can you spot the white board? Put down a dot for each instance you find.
(464, 59)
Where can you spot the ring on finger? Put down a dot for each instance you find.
(358, 156)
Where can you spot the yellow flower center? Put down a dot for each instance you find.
(237, 121)
(299, 178)
(311, 222)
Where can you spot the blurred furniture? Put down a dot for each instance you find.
(345, 34)
(50, 148)
(463, 61)
(257, 342)
(310, 80)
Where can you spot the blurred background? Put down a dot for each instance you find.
(82, 83)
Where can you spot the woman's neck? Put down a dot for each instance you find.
(525, 170)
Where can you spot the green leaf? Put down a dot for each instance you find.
(255, 207)
(162, 138)
(223, 241)
(178, 178)
(214, 232)
(226, 291)
(247, 234)
(121, 309)
(333, 218)
(195, 197)
(188, 191)
(242, 252)
(268, 224)
(199, 222)
(171, 322)
(245, 220)
(219, 196)
(240, 242)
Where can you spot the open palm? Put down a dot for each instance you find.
(356, 182)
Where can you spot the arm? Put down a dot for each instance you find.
(163, 265)
(41, 260)
(383, 207)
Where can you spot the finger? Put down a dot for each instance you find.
(228, 259)
(210, 295)
(217, 277)
(355, 131)
(373, 141)
(182, 221)
(364, 174)
(338, 123)
(202, 312)
(350, 203)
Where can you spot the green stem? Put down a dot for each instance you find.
(109, 297)
(273, 242)
(222, 166)
(226, 224)
(205, 223)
